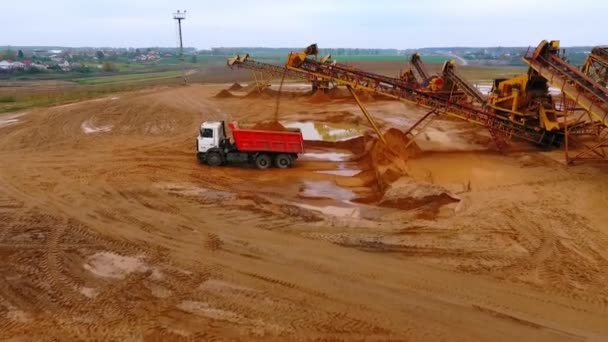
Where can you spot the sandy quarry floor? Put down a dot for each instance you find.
(110, 230)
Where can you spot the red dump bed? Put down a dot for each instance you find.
(249, 140)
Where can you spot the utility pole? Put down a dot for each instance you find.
(179, 16)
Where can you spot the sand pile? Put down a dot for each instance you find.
(224, 94)
(344, 94)
(270, 93)
(380, 97)
(364, 96)
(235, 87)
(319, 97)
(339, 93)
(388, 161)
(269, 126)
(256, 94)
(408, 194)
(356, 145)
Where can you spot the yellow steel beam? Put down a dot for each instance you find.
(369, 117)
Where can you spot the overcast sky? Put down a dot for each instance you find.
(286, 23)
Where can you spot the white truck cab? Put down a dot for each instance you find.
(210, 136)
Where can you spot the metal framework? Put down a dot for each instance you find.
(422, 75)
(263, 73)
(596, 65)
(450, 73)
(585, 101)
(501, 128)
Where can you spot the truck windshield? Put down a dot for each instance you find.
(207, 133)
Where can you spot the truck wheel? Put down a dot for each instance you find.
(262, 161)
(282, 161)
(214, 159)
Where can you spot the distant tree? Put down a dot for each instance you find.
(99, 55)
(55, 68)
(33, 71)
(20, 55)
(137, 52)
(109, 67)
(83, 69)
(8, 54)
(194, 59)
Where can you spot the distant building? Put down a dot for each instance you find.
(65, 66)
(6, 65)
(39, 66)
(18, 65)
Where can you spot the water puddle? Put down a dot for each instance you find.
(327, 156)
(319, 131)
(484, 88)
(331, 210)
(487, 88)
(341, 172)
(111, 265)
(204, 194)
(89, 128)
(402, 122)
(435, 140)
(8, 120)
(295, 87)
(325, 189)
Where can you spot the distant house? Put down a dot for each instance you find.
(6, 65)
(65, 66)
(18, 65)
(39, 66)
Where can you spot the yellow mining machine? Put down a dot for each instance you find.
(526, 99)
(596, 65)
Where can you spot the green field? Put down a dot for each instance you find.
(127, 78)
(431, 59)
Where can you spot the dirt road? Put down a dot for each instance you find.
(110, 230)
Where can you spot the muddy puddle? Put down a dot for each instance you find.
(88, 127)
(192, 190)
(466, 169)
(325, 189)
(327, 156)
(433, 139)
(485, 89)
(340, 172)
(321, 131)
(10, 119)
(349, 211)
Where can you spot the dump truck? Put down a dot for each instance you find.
(262, 148)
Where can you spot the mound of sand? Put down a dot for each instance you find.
(389, 160)
(364, 96)
(343, 94)
(269, 126)
(339, 93)
(224, 94)
(235, 87)
(256, 94)
(380, 97)
(356, 145)
(407, 194)
(319, 97)
(270, 93)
